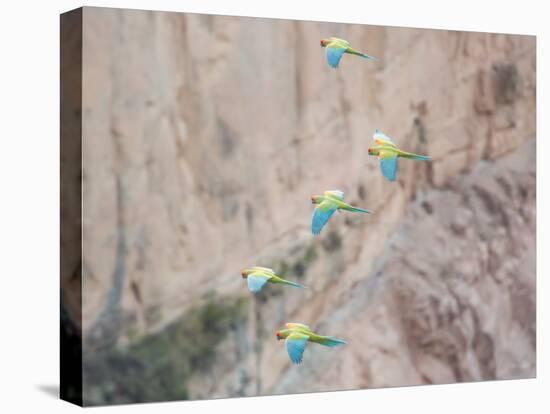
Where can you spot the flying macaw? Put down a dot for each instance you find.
(386, 150)
(335, 48)
(297, 335)
(328, 203)
(258, 276)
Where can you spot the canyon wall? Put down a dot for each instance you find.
(203, 139)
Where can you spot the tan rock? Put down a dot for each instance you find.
(205, 136)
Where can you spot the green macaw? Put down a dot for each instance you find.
(297, 335)
(386, 150)
(335, 49)
(327, 204)
(258, 276)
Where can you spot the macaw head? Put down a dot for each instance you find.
(373, 151)
(245, 273)
(324, 42)
(282, 334)
(316, 199)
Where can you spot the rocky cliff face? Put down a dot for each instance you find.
(203, 139)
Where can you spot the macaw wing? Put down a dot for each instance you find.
(382, 139)
(256, 282)
(295, 345)
(291, 325)
(388, 165)
(321, 214)
(339, 194)
(339, 42)
(334, 53)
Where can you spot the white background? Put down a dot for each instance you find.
(29, 207)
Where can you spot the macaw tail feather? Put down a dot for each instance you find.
(416, 156)
(357, 210)
(331, 341)
(288, 282)
(363, 55)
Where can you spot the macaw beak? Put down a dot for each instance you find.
(312, 200)
(277, 335)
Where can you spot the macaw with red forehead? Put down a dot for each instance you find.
(386, 150)
(328, 203)
(257, 276)
(335, 49)
(297, 335)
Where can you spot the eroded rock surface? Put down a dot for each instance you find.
(200, 157)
